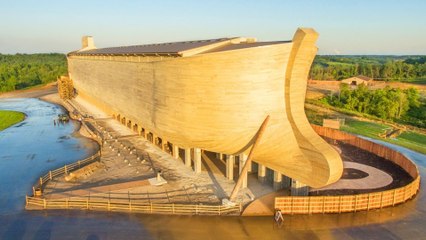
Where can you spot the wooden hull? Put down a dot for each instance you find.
(217, 102)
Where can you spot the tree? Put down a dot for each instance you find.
(413, 97)
(378, 67)
(25, 70)
(386, 103)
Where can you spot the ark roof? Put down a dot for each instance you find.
(178, 48)
(245, 45)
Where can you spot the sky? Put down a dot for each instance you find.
(388, 27)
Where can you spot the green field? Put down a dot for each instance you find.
(8, 118)
(412, 140)
(421, 81)
(368, 129)
(409, 139)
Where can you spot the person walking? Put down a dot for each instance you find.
(278, 216)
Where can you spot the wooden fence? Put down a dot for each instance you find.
(42, 181)
(378, 149)
(37, 202)
(346, 203)
(358, 202)
(129, 206)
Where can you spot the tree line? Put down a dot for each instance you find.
(386, 68)
(405, 106)
(25, 70)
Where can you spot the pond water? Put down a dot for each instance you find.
(35, 146)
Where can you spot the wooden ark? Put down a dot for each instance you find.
(214, 95)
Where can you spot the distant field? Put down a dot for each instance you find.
(416, 81)
(385, 67)
(8, 118)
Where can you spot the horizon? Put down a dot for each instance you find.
(390, 28)
(342, 55)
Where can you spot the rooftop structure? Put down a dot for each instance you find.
(357, 80)
(177, 49)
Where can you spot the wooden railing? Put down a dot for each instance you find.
(358, 202)
(43, 180)
(37, 202)
(129, 206)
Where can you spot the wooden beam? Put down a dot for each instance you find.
(250, 156)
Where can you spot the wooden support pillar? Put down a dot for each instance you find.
(286, 182)
(154, 137)
(175, 151)
(249, 159)
(298, 188)
(163, 144)
(197, 160)
(277, 181)
(261, 173)
(230, 159)
(242, 161)
(188, 157)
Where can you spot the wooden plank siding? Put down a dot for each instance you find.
(217, 101)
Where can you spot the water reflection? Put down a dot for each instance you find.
(35, 146)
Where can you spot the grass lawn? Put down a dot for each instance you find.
(368, 129)
(8, 118)
(315, 117)
(412, 140)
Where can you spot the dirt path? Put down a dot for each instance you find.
(35, 92)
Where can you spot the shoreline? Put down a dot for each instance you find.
(14, 123)
(79, 132)
(48, 93)
(33, 92)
